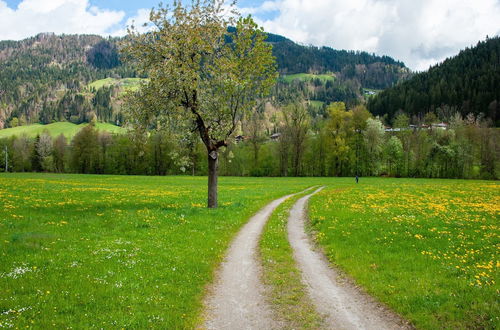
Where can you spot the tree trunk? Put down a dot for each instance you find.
(255, 153)
(212, 179)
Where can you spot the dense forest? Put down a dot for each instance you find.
(466, 83)
(371, 71)
(46, 78)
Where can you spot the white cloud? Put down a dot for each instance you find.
(420, 33)
(266, 6)
(138, 21)
(59, 16)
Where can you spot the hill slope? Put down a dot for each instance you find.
(50, 78)
(370, 70)
(467, 83)
(67, 129)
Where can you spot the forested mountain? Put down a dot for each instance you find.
(315, 122)
(43, 79)
(466, 83)
(371, 71)
(46, 78)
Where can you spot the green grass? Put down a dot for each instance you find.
(117, 251)
(427, 248)
(316, 104)
(55, 129)
(307, 77)
(98, 84)
(287, 295)
(126, 84)
(133, 252)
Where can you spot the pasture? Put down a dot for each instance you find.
(131, 251)
(125, 84)
(427, 248)
(116, 251)
(307, 77)
(55, 129)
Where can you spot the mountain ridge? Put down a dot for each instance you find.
(43, 78)
(467, 83)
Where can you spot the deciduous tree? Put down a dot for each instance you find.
(296, 123)
(207, 67)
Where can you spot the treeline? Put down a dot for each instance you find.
(466, 83)
(99, 152)
(78, 108)
(343, 143)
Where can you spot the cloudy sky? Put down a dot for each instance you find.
(418, 32)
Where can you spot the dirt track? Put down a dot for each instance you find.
(237, 299)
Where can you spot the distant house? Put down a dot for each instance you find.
(275, 136)
(440, 126)
(443, 126)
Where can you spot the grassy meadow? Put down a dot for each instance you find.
(131, 252)
(427, 248)
(116, 251)
(307, 77)
(126, 84)
(55, 129)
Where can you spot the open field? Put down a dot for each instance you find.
(427, 248)
(116, 251)
(130, 251)
(126, 84)
(67, 129)
(307, 77)
(316, 104)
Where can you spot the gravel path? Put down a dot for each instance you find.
(237, 299)
(341, 303)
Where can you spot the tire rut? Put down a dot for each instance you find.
(237, 299)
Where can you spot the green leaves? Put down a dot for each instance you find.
(200, 70)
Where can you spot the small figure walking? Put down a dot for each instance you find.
(357, 179)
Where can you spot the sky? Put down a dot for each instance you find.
(418, 32)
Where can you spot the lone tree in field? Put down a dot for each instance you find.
(207, 66)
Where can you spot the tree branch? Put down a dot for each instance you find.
(192, 105)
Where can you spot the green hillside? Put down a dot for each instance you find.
(466, 83)
(308, 77)
(55, 129)
(316, 104)
(50, 78)
(126, 84)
